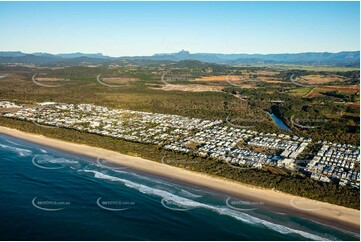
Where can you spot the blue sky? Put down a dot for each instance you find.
(145, 28)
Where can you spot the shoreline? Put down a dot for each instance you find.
(332, 215)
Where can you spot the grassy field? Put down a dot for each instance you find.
(300, 92)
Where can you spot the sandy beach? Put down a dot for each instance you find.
(333, 215)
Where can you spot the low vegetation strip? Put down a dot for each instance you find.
(292, 183)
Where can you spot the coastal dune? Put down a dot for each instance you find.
(329, 214)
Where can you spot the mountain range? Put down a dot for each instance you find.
(344, 58)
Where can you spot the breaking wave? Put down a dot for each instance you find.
(19, 151)
(12, 142)
(185, 202)
(162, 184)
(43, 151)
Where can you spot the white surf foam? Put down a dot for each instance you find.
(12, 142)
(185, 202)
(19, 151)
(182, 192)
(188, 194)
(43, 151)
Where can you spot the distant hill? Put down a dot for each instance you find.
(40, 58)
(11, 53)
(28, 59)
(341, 58)
(77, 55)
(345, 58)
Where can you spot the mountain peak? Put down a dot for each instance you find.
(183, 52)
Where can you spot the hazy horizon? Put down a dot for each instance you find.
(147, 28)
(169, 53)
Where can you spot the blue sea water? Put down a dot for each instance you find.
(47, 194)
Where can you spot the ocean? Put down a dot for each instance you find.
(48, 194)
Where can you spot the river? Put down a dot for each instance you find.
(280, 124)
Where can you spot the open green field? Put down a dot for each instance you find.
(300, 92)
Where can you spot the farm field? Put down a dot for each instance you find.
(321, 79)
(342, 90)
